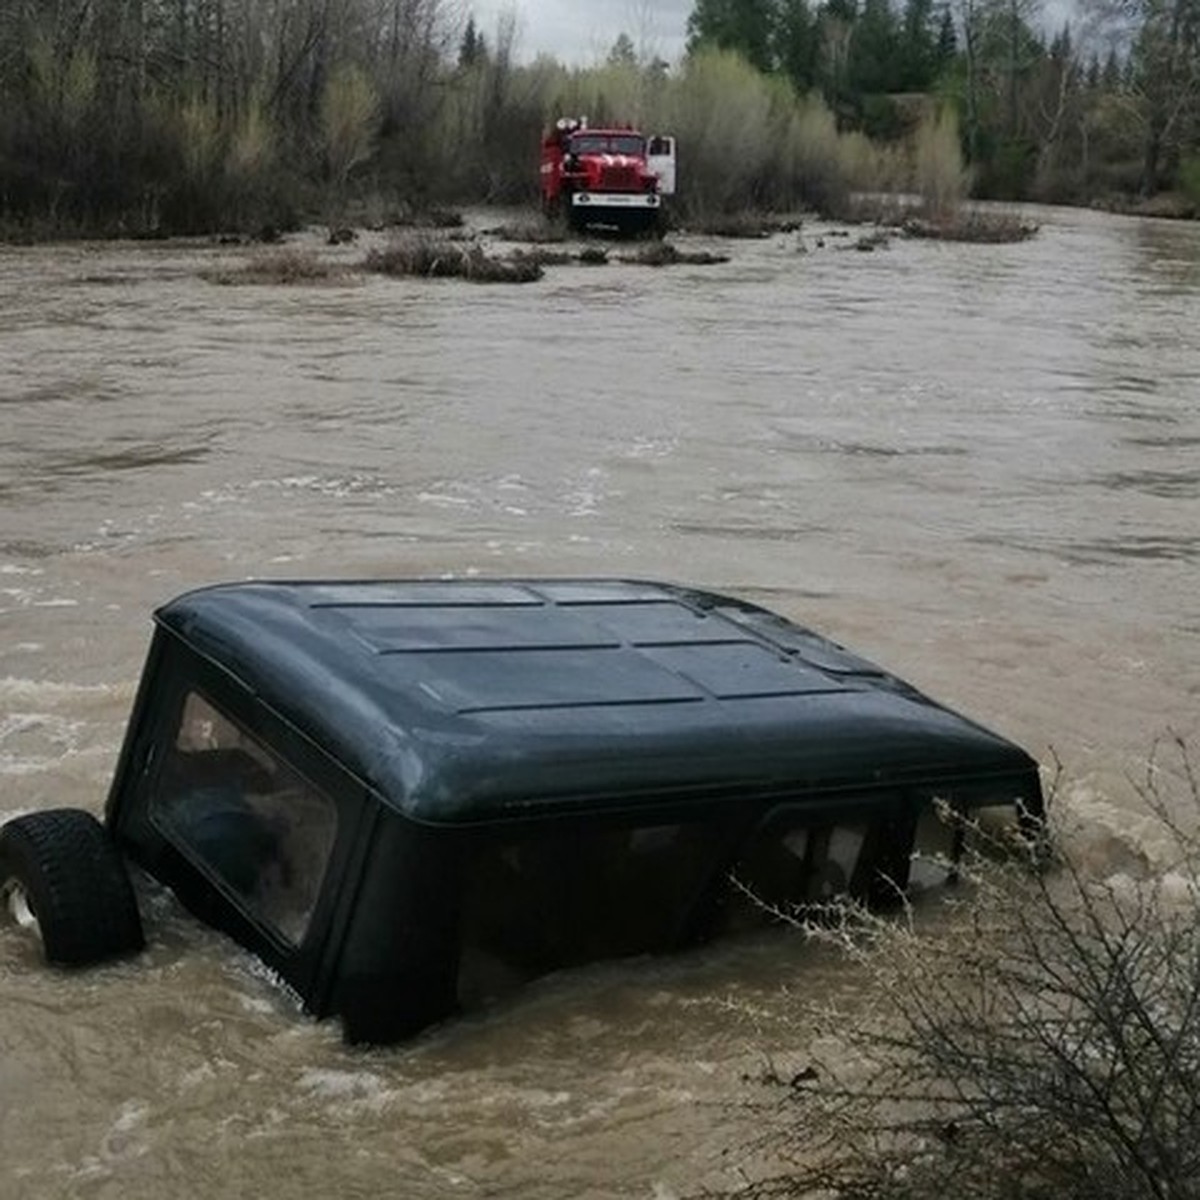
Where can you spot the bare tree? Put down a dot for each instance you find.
(349, 113)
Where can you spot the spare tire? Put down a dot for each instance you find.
(61, 874)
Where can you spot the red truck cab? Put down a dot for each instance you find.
(613, 177)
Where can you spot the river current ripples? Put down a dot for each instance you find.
(977, 465)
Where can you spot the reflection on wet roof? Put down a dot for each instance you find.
(460, 700)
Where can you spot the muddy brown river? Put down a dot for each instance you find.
(978, 465)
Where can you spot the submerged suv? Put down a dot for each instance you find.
(406, 796)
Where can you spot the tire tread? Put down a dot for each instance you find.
(76, 884)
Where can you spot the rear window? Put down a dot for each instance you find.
(539, 903)
(245, 817)
(793, 864)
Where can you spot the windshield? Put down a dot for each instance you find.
(608, 143)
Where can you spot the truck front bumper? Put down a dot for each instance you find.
(622, 200)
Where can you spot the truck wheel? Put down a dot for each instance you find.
(62, 877)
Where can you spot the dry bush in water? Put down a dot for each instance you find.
(1047, 1046)
(289, 265)
(540, 256)
(962, 224)
(972, 226)
(537, 233)
(745, 225)
(664, 254)
(435, 258)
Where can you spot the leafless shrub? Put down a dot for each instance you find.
(665, 254)
(969, 225)
(537, 233)
(750, 225)
(289, 265)
(875, 240)
(437, 258)
(1047, 1046)
(953, 223)
(541, 257)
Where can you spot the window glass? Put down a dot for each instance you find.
(599, 143)
(239, 811)
(936, 849)
(548, 901)
(790, 864)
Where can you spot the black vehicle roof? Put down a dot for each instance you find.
(479, 700)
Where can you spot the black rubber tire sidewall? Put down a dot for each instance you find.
(75, 883)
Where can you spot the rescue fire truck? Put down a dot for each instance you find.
(612, 177)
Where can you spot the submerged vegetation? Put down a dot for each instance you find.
(440, 258)
(429, 256)
(229, 115)
(971, 225)
(535, 232)
(287, 265)
(665, 254)
(1046, 1045)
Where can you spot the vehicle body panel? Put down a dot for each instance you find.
(327, 772)
(605, 176)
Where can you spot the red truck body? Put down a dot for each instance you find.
(612, 177)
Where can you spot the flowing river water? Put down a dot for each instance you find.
(978, 465)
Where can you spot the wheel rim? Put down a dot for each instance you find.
(16, 904)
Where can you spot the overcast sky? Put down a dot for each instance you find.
(581, 32)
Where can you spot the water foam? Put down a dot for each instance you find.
(50, 691)
(1108, 840)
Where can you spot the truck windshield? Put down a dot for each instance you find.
(608, 143)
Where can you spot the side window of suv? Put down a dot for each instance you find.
(242, 814)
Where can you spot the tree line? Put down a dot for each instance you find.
(150, 117)
(1059, 117)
